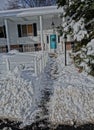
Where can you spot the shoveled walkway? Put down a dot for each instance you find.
(44, 85)
(43, 88)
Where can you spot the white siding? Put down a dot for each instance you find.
(3, 41)
(13, 30)
(29, 40)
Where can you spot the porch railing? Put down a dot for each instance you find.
(35, 61)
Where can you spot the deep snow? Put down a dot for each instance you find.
(70, 96)
(73, 99)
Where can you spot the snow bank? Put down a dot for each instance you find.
(15, 96)
(73, 98)
(13, 52)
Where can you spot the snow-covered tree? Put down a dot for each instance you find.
(78, 21)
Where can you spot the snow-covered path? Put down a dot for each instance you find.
(43, 87)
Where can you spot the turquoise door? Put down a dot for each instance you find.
(53, 44)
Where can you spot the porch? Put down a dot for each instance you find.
(28, 29)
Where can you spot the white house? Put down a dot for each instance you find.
(28, 29)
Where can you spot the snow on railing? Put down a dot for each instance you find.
(40, 62)
(35, 61)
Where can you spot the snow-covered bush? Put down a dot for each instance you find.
(16, 96)
(72, 105)
(72, 102)
(78, 21)
(90, 56)
(84, 58)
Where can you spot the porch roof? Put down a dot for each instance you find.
(30, 12)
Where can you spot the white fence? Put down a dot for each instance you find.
(35, 61)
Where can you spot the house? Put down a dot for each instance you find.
(28, 29)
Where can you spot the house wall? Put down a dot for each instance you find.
(30, 40)
(3, 41)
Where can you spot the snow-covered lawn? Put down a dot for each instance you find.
(73, 99)
(17, 100)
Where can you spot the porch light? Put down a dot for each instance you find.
(53, 26)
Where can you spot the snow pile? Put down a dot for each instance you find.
(16, 96)
(73, 98)
(13, 52)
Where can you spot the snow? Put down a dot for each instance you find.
(86, 57)
(73, 99)
(20, 93)
(79, 30)
(90, 47)
(13, 52)
(16, 96)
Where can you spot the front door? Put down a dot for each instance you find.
(53, 44)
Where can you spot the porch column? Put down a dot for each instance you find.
(7, 34)
(41, 31)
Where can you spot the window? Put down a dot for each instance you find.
(27, 30)
(24, 30)
(2, 32)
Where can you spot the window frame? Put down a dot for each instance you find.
(28, 33)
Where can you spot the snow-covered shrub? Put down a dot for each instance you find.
(72, 101)
(79, 31)
(90, 56)
(78, 21)
(16, 96)
(84, 58)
